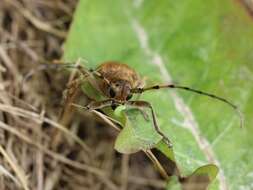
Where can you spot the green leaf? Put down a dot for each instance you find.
(127, 141)
(138, 133)
(203, 44)
(200, 178)
(168, 151)
(210, 170)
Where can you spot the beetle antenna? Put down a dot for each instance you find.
(55, 64)
(156, 87)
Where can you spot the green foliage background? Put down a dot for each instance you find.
(202, 44)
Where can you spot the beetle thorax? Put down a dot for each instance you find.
(119, 80)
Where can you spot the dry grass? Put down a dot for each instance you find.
(32, 30)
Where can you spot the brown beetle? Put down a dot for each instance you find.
(118, 82)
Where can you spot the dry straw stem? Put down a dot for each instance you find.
(124, 172)
(28, 35)
(9, 63)
(41, 25)
(101, 175)
(2, 69)
(110, 121)
(17, 169)
(37, 118)
(5, 172)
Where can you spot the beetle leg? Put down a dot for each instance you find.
(144, 104)
(70, 90)
(94, 105)
(136, 104)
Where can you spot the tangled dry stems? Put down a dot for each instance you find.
(29, 111)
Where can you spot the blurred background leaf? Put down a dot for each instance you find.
(202, 44)
(200, 178)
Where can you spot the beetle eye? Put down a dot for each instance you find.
(129, 96)
(112, 93)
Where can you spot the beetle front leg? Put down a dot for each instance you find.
(95, 105)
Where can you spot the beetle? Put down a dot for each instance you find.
(117, 82)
